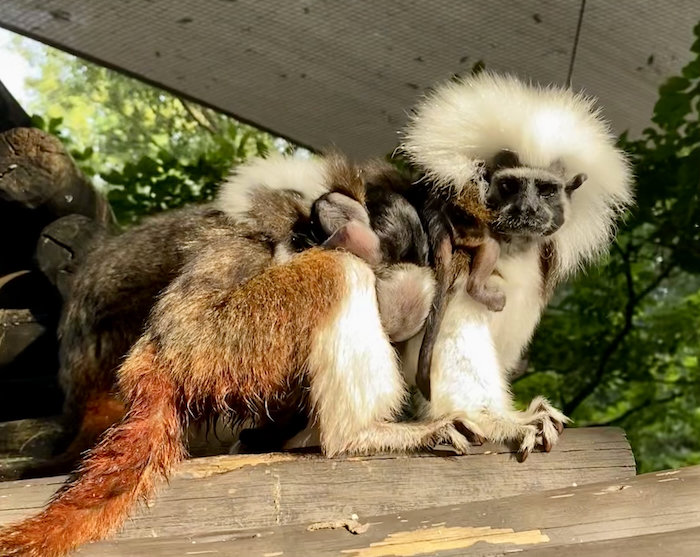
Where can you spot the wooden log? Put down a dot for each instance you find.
(19, 329)
(220, 494)
(63, 245)
(645, 516)
(39, 182)
(28, 290)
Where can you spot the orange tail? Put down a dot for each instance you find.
(119, 471)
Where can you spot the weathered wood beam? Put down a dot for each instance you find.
(219, 494)
(652, 515)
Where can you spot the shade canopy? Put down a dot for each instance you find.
(346, 72)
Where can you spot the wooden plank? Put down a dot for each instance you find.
(650, 515)
(259, 491)
(672, 544)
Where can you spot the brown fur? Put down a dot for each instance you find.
(201, 353)
(208, 336)
(345, 177)
(117, 286)
(469, 200)
(211, 346)
(112, 293)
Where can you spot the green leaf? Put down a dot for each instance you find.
(38, 122)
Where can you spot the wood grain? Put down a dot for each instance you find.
(651, 515)
(220, 494)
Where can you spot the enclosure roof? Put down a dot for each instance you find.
(325, 72)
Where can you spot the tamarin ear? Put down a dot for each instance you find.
(506, 158)
(575, 182)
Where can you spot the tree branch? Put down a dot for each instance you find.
(206, 125)
(633, 300)
(646, 404)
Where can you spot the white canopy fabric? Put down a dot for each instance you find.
(346, 72)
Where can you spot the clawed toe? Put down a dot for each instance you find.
(547, 445)
(468, 431)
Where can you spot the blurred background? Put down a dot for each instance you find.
(157, 101)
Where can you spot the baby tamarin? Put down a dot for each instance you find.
(469, 220)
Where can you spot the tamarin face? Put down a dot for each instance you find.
(527, 201)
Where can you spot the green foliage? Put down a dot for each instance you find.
(621, 345)
(147, 149)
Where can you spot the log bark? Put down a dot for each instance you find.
(62, 247)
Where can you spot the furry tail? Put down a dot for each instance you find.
(119, 471)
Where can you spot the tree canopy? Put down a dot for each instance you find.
(148, 149)
(620, 345)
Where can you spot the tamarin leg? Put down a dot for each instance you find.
(468, 380)
(356, 386)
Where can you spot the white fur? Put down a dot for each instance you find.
(463, 123)
(356, 388)
(468, 375)
(277, 172)
(357, 359)
(465, 369)
(513, 328)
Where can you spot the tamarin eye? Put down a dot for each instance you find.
(547, 189)
(509, 186)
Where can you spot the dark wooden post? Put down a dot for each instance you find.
(12, 115)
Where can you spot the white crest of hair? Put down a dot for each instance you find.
(463, 123)
(276, 172)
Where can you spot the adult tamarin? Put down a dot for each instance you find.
(470, 220)
(265, 209)
(213, 346)
(458, 128)
(117, 284)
